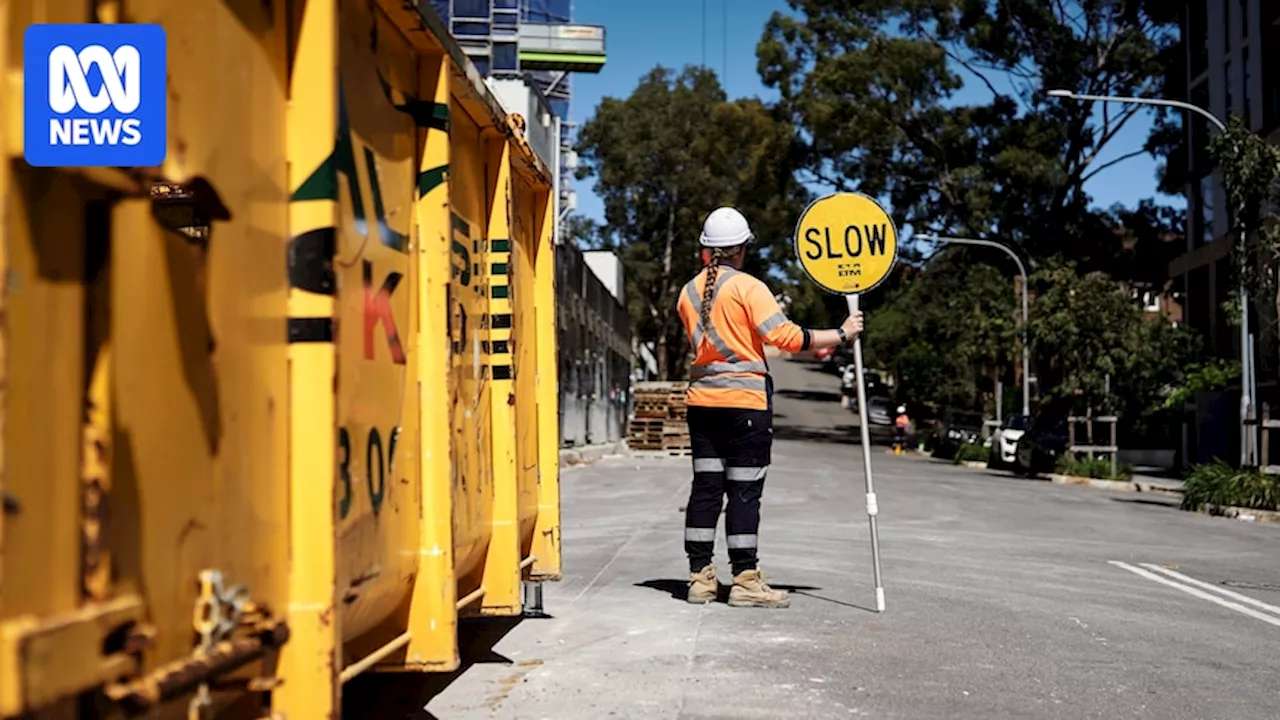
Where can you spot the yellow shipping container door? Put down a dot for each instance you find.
(281, 395)
(144, 443)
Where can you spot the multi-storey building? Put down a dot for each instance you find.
(1232, 67)
(533, 39)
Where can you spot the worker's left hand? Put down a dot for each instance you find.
(852, 325)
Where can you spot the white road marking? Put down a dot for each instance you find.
(1197, 593)
(1213, 588)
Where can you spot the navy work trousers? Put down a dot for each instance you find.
(731, 453)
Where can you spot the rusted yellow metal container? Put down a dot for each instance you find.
(292, 393)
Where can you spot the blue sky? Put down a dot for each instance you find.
(641, 35)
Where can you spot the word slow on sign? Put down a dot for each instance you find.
(846, 243)
(95, 95)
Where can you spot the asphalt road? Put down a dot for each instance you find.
(1004, 599)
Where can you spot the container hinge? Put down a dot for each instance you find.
(234, 631)
(46, 659)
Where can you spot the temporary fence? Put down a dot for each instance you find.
(595, 354)
(283, 409)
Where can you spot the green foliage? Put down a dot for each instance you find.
(1251, 176)
(871, 85)
(947, 331)
(664, 157)
(972, 452)
(1086, 328)
(583, 232)
(1217, 485)
(1097, 467)
(1202, 377)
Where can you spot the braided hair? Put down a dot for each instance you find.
(718, 256)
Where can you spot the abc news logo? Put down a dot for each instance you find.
(69, 89)
(95, 95)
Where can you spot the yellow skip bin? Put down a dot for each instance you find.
(280, 411)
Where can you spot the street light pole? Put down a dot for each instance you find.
(1026, 317)
(1248, 383)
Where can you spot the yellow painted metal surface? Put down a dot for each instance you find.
(335, 386)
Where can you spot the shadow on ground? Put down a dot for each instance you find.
(1171, 503)
(677, 589)
(405, 695)
(809, 395)
(837, 434)
(844, 434)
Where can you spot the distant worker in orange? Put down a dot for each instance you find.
(901, 426)
(729, 317)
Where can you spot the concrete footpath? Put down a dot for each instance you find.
(1007, 598)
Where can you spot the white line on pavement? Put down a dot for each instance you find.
(1213, 588)
(1197, 593)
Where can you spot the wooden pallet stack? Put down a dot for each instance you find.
(660, 422)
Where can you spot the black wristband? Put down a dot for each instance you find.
(844, 336)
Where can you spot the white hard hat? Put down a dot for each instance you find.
(902, 408)
(725, 227)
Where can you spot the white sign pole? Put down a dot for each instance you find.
(872, 508)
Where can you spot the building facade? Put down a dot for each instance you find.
(1232, 67)
(534, 39)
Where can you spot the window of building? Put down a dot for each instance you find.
(1207, 205)
(482, 64)
(505, 57)
(1223, 290)
(1150, 301)
(506, 23)
(1248, 94)
(1197, 33)
(1198, 300)
(1228, 85)
(1244, 18)
(1226, 25)
(507, 4)
(470, 28)
(471, 8)
(1270, 66)
(1201, 162)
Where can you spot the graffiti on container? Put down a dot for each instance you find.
(377, 308)
(376, 462)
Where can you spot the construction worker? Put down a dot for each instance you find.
(901, 426)
(729, 316)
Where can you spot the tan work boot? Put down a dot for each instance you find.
(703, 586)
(750, 590)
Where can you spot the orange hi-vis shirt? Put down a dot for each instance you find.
(729, 369)
(902, 421)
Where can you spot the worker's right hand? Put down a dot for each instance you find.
(852, 325)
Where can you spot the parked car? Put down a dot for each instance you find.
(957, 428)
(849, 386)
(880, 410)
(1004, 441)
(1043, 443)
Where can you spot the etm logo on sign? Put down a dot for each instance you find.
(94, 95)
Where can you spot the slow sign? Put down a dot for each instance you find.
(846, 243)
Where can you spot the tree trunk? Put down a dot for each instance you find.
(664, 312)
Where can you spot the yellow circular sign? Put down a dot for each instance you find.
(846, 243)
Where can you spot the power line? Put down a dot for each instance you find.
(704, 34)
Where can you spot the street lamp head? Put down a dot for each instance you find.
(927, 237)
(1061, 93)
